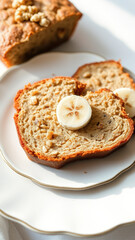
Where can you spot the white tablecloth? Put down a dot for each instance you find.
(108, 29)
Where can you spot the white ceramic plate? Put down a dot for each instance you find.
(80, 213)
(79, 175)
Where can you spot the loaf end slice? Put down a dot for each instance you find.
(45, 141)
(107, 74)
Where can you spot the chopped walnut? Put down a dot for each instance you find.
(18, 3)
(30, 13)
(49, 143)
(54, 153)
(41, 18)
(24, 13)
(33, 100)
(44, 149)
(32, 9)
(50, 135)
(44, 22)
(87, 75)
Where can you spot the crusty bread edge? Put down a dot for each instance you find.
(59, 162)
(79, 88)
(75, 75)
(9, 63)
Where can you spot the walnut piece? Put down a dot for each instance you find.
(49, 144)
(30, 13)
(41, 18)
(24, 13)
(44, 149)
(33, 100)
(18, 3)
(50, 135)
(87, 75)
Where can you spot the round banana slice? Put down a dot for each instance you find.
(128, 96)
(73, 112)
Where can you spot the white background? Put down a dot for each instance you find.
(108, 29)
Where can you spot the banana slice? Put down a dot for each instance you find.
(73, 112)
(128, 96)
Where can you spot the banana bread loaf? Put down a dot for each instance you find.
(29, 27)
(47, 142)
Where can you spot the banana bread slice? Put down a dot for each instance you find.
(29, 27)
(45, 141)
(106, 74)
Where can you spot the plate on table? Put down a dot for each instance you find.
(78, 175)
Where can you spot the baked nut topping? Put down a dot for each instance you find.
(18, 3)
(24, 13)
(41, 18)
(30, 13)
(22, 34)
(44, 22)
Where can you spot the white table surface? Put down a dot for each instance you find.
(108, 29)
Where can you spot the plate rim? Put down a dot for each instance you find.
(65, 188)
(60, 232)
(34, 179)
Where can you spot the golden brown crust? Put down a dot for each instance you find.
(76, 74)
(55, 163)
(12, 34)
(59, 162)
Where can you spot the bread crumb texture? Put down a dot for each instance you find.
(107, 74)
(40, 132)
